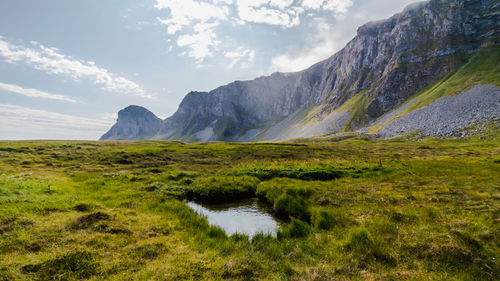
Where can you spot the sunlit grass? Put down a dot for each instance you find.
(355, 209)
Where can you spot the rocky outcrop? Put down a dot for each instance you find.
(134, 123)
(449, 116)
(388, 61)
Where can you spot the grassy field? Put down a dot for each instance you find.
(356, 209)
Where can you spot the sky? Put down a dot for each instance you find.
(68, 67)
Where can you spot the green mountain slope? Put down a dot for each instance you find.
(482, 68)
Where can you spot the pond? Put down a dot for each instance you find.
(245, 217)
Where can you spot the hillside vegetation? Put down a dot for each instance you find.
(355, 209)
(482, 68)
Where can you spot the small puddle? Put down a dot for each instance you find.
(245, 217)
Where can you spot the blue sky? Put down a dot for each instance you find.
(67, 67)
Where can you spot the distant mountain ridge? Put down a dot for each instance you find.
(134, 123)
(387, 63)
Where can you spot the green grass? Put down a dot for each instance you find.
(357, 107)
(72, 266)
(354, 209)
(303, 172)
(222, 189)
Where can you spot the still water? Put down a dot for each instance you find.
(245, 217)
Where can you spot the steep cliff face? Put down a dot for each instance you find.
(230, 110)
(385, 64)
(134, 123)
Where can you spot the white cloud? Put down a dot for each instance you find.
(20, 122)
(242, 56)
(299, 61)
(201, 43)
(254, 11)
(284, 12)
(281, 3)
(203, 16)
(206, 15)
(337, 6)
(33, 93)
(325, 42)
(51, 61)
(223, 1)
(184, 12)
(329, 38)
(312, 4)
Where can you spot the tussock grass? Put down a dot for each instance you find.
(222, 189)
(72, 210)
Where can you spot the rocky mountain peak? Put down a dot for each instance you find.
(383, 66)
(134, 123)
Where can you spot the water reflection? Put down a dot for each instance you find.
(245, 217)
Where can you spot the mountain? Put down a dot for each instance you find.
(134, 123)
(431, 50)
